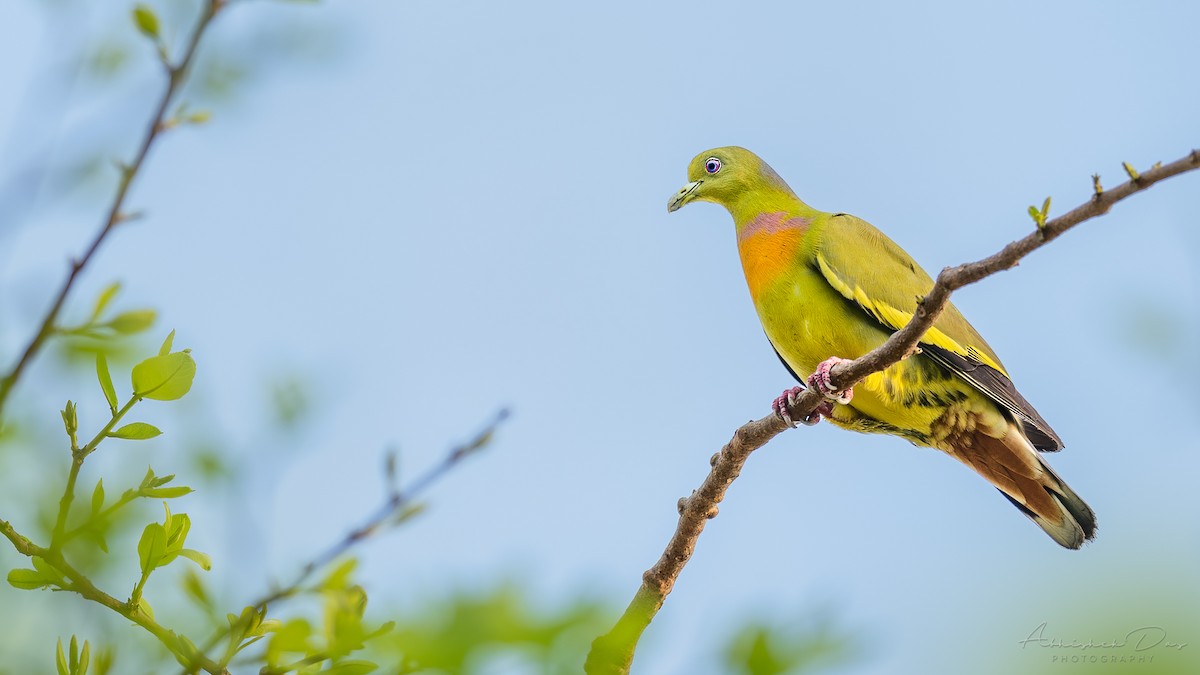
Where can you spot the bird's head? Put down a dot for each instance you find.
(726, 175)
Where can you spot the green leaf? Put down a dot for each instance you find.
(134, 321)
(291, 638)
(85, 658)
(43, 568)
(102, 374)
(164, 378)
(106, 297)
(104, 661)
(199, 117)
(136, 431)
(96, 534)
(188, 648)
(249, 642)
(74, 658)
(28, 580)
(352, 667)
(339, 578)
(166, 345)
(144, 606)
(70, 419)
(146, 21)
(152, 547)
(201, 559)
(167, 524)
(166, 492)
(152, 481)
(193, 585)
(60, 660)
(98, 497)
(177, 528)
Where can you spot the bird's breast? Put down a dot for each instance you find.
(769, 247)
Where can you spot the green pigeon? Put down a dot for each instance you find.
(829, 287)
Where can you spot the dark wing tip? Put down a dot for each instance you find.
(996, 386)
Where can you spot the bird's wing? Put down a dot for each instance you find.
(870, 270)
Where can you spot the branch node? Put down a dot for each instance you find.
(681, 505)
(712, 461)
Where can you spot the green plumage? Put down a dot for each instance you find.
(832, 285)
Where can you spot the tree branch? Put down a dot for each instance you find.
(613, 651)
(78, 582)
(176, 75)
(398, 507)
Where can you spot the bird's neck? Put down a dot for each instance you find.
(748, 210)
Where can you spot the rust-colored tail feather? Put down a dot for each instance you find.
(1020, 474)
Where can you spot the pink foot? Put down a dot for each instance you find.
(788, 399)
(821, 382)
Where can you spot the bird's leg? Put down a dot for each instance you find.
(821, 381)
(787, 399)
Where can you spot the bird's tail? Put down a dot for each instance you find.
(1016, 469)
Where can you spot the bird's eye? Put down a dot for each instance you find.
(712, 165)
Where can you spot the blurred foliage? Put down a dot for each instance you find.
(290, 400)
(1150, 326)
(805, 645)
(470, 632)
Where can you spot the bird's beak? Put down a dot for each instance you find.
(683, 196)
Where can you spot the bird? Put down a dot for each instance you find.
(829, 287)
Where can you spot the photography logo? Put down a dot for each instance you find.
(1139, 645)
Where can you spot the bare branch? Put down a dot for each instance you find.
(613, 651)
(399, 506)
(176, 75)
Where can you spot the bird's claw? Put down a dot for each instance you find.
(787, 399)
(821, 381)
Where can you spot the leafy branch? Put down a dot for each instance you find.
(176, 73)
(613, 652)
(166, 376)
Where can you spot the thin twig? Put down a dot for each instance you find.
(57, 536)
(176, 75)
(393, 511)
(613, 651)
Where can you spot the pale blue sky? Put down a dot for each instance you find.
(466, 210)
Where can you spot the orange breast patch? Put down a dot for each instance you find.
(767, 246)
